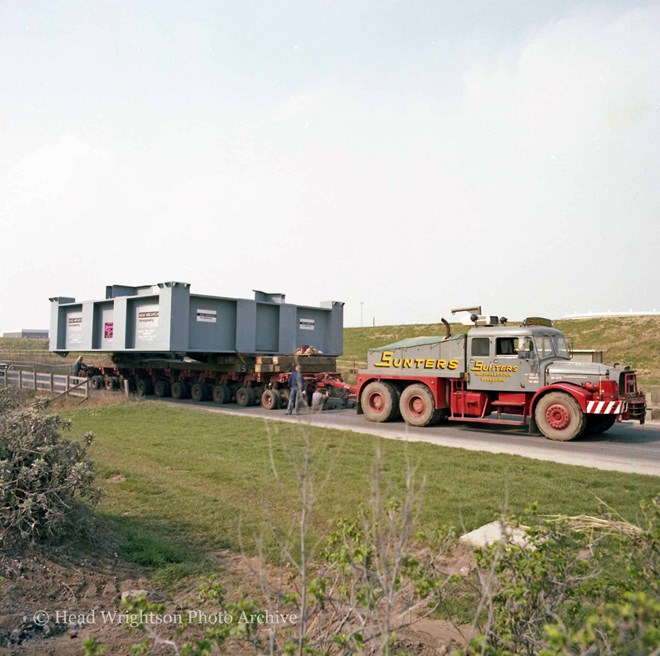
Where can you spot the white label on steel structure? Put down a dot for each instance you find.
(74, 329)
(307, 324)
(207, 316)
(147, 328)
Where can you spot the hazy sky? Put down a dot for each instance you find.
(411, 156)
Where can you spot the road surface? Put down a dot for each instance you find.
(626, 447)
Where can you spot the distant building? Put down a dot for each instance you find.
(28, 333)
(608, 314)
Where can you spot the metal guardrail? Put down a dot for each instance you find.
(58, 384)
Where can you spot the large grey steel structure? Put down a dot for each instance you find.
(168, 318)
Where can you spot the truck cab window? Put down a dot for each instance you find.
(481, 346)
(507, 346)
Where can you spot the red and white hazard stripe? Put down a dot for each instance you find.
(604, 407)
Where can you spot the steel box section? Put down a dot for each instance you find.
(167, 318)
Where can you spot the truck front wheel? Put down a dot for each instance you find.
(418, 407)
(380, 402)
(559, 417)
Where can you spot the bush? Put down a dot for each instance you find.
(582, 585)
(44, 480)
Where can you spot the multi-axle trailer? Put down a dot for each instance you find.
(163, 340)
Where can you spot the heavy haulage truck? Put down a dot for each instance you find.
(163, 340)
(498, 374)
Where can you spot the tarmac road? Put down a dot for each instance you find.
(626, 447)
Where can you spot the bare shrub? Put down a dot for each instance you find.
(44, 479)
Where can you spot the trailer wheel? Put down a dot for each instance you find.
(199, 392)
(162, 388)
(559, 417)
(270, 399)
(418, 407)
(179, 390)
(599, 424)
(221, 393)
(144, 387)
(97, 382)
(111, 383)
(380, 402)
(245, 396)
(285, 393)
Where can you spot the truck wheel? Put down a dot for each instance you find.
(284, 397)
(179, 390)
(221, 393)
(97, 382)
(245, 396)
(380, 402)
(162, 388)
(418, 407)
(198, 392)
(144, 387)
(599, 424)
(270, 399)
(559, 417)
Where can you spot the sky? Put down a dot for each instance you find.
(403, 157)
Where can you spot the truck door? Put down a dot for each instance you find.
(502, 364)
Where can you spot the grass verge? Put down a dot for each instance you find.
(181, 482)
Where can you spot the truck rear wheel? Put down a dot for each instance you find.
(599, 424)
(418, 407)
(559, 417)
(380, 402)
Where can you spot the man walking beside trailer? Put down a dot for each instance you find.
(296, 386)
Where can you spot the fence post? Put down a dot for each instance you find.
(52, 382)
(34, 376)
(20, 379)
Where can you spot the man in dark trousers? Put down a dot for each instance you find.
(78, 367)
(296, 386)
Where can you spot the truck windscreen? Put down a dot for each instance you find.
(548, 346)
